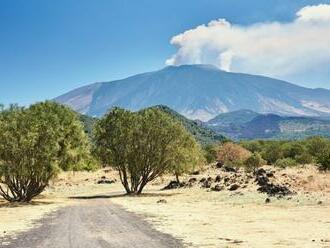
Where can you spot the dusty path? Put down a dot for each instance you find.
(92, 223)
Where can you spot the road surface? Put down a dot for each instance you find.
(92, 223)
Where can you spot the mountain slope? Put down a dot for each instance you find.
(269, 126)
(200, 92)
(202, 134)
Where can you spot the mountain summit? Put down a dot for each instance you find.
(199, 92)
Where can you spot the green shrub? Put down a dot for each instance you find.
(304, 158)
(210, 153)
(253, 162)
(323, 159)
(35, 143)
(272, 152)
(285, 162)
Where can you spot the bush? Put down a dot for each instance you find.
(305, 158)
(285, 162)
(232, 154)
(293, 149)
(323, 159)
(253, 162)
(143, 145)
(210, 153)
(272, 152)
(35, 143)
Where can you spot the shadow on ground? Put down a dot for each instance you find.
(120, 194)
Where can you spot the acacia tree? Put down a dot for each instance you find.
(142, 146)
(35, 143)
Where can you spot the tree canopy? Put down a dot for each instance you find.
(143, 145)
(35, 143)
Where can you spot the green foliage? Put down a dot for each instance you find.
(143, 145)
(323, 159)
(35, 143)
(210, 153)
(253, 162)
(201, 133)
(272, 152)
(310, 150)
(285, 162)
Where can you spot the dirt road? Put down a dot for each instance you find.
(92, 223)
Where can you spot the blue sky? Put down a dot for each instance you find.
(50, 47)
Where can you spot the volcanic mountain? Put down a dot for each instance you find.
(199, 92)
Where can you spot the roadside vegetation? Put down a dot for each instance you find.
(144, 145)
(288, 153)
(38, 142)
(35, 144)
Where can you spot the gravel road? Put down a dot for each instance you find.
(92, 223)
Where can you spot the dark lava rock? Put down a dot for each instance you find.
(233, 187)
(174, 185)
(229, 169)
(274, 190)
(270, 174)
(262, 180)
(105, 181)
(195, 173)
(206, 184)
(260, 172)
(217, 179)
(162, 201)
(217, 187)
(192, 180)
(202, 180)
(219, 164)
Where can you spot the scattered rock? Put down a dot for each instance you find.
(233, 187)
(192, 180)
(206, 184)
(217, 187)
(202, 180)
(162, 201)
(174, 185)
(219, 164)
(270, 174)
(229, 169)
(262, 180)
(260, 172)
(319, 202)
(195, 173)
(267, 200)
(274, 190)
(105, 181)
(217, 179)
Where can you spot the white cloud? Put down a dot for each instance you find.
(292, 51)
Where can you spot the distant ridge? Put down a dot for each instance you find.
(246, 124)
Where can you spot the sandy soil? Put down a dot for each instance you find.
(204, 218)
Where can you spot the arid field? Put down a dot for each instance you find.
(200, 217)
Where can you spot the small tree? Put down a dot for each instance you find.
(142, 145)
(35, 143)
(253, 162)
(210, 153)
(231, 153)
